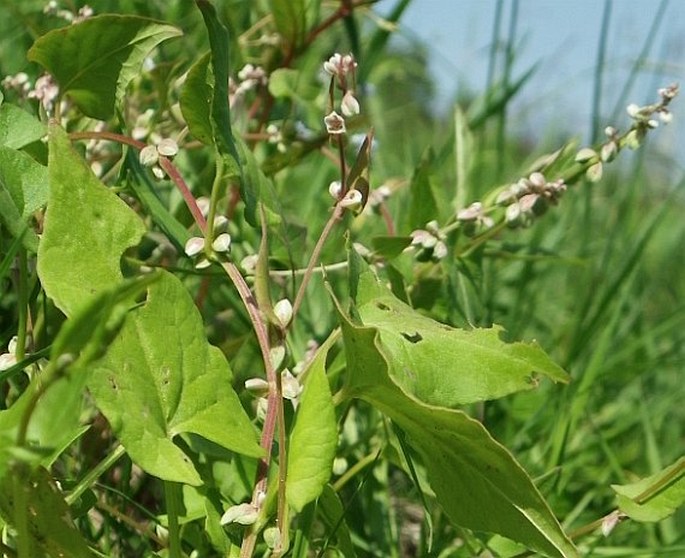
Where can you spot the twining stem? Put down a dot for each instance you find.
(334, 218)
(166, 165)
(248, 299)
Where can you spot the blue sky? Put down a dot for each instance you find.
(562, 36)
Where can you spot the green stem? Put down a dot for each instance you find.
(356, 468)
(217, 192)
(21, 514)
(173, 498)
(22, 295)
(335, 217)
(89, 480)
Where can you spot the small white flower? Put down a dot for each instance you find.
(158, 172)
(610, 521)
(537, 179)
(335, 124)
(262, 408)
(249, 264)
(257, 385)
(423, 238)
(220, 224)
(471, 213)
(167, 147)
(333, 65)
(283, 310)
(148, 156)
(633, 110)
(203, 203)
(7, 360)
(334, 189)
(204, 263)
(194, 246)
(277, 356)
(244, 514)
(666, 116)
(609, 151)
(352, 200)
(585, 154)
(222, 243)
(290, 386)
(350, 104)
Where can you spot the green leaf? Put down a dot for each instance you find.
(23, 190)
(220, 110)
(55, 421)
(94, 60)
(333, 514)
(86, 230)
(50, 526)
(475, 479)
(18, 128)
(314, 436)
(426, 199)
(161, 378)
(290, 20)
(196, 100)
(655, 497)
(441, 365)
(145, 191)
(389, 247)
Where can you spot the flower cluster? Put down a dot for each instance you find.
(430, 242)
(342, 69)
(149, 155)
(474, 218)
(195, 246)
(529, 197)
(52, 8)
(249, 77)
(645, 118)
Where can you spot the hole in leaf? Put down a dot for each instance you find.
(412, 337)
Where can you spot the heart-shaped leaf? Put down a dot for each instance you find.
(161, 378)
(95, 60)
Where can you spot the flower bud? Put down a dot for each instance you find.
(222, 243)
(350, 105)
(290, 386)
(352, 200)
(665, 116)
(633, 139)
(272, 537)
(244, 514)
(633, 110)
(194, 246)
(167, 147)
(257, 385)
(284, 312)
(277, 356)
(585, 155)
(609, 151)
(594, 173)
(148, 156)
(249, 264)
(334, 189)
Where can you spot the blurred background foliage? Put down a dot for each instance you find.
(599, 281)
